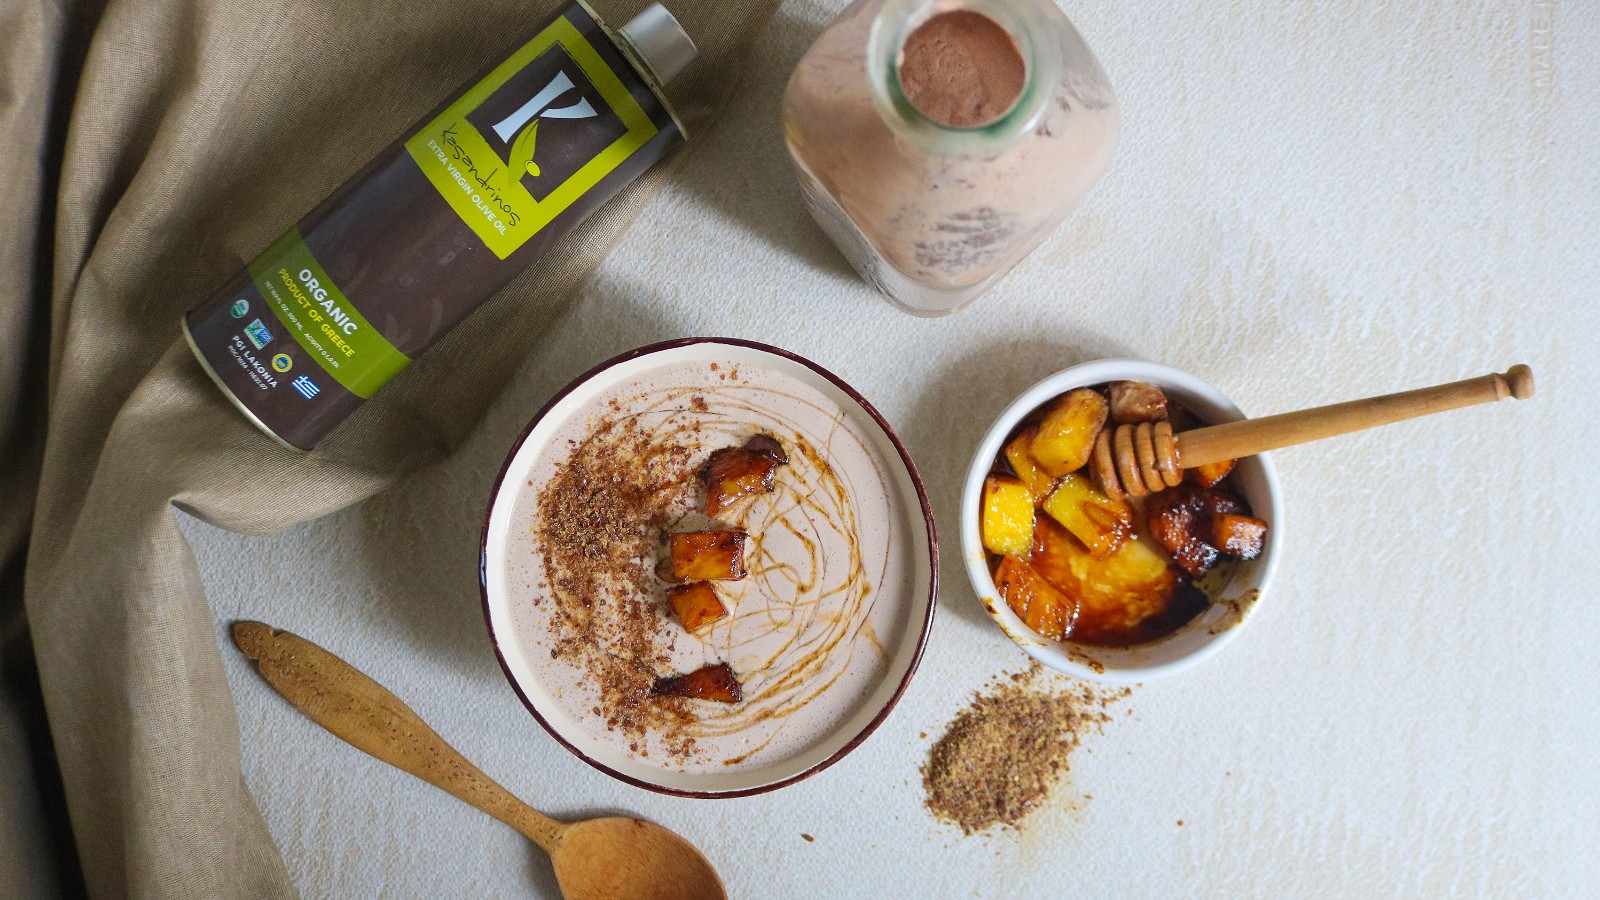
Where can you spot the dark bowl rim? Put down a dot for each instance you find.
(922, 500)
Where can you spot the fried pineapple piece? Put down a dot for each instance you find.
(1036, 602)
(1007, 516)
(1179, 519)
(734, 473)
(716, 683)
(1113, 595)
(1137, 401)
(1238, 536)
(707, 556)
(1101, 523)
(1209, 474)
(1173, 519)
(1066, 436)
(664, 567)
(1020, 456)
(697, 605)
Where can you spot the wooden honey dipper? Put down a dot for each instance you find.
(1138, 459)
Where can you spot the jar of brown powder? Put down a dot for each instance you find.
(940, 141)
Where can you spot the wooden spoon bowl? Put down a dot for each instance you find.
(626, 857)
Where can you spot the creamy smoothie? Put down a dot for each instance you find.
(809, 630)
(938, 143)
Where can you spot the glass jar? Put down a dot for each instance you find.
(929, 214)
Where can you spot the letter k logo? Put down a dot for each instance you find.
(539, 107)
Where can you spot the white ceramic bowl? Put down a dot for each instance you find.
(1253, 478)
(508, 553)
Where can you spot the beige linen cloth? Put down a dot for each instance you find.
(152, 151)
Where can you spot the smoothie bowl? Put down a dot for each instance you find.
(1089, 579)
(709, 568)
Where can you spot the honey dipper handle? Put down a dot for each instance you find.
(1247, 437)
(359, 711)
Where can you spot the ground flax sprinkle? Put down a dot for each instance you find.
(600, 518)
(1001, 757)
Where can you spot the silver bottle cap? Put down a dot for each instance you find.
(660, 41)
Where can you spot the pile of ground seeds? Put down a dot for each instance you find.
(601, 517)
(1004, 754)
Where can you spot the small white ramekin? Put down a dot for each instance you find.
(1253, 478)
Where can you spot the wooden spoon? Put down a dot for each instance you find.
(1144, 458)
(610, 857)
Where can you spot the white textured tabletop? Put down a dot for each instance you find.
(1311, 202)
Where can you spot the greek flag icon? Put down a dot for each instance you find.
(305, 386)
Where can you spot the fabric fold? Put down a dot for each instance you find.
(170, 181)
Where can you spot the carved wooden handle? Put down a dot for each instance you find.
(1134, 460)
(1251, 436)
(359, 711)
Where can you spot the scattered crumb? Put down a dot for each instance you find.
(808, 837)
(1180, 823)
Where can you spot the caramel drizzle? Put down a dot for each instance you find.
(819, 607)
(811, 499)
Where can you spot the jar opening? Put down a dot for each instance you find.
(961, 69)
(962, 77)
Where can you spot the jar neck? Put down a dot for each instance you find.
(1032, 29)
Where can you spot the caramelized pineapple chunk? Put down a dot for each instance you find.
(1137, 401)
(1172, 518)
(768, 446)
(1007, 516)
(708, 556)
(734, 473)
(1179, 519)
(1066, 436)
(1013, 579)
(1210, 473)
(1036, 602)
(716, 683)
(664, 570)
(697, 604)
(1121, 598)
(1101, 523)
(1020, 456)
(1238, 536)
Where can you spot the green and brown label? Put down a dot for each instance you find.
(536, 134)
(322, 320)
(434, 225)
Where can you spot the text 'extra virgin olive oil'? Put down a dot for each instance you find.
(427, 231)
